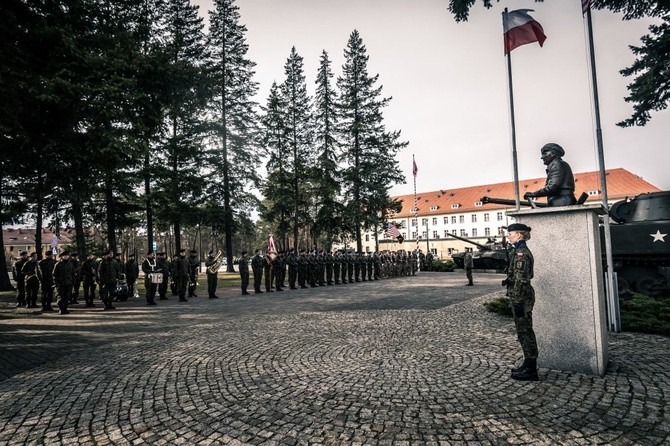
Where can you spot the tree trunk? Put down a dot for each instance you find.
(78, 216)
(39, 217)
(147, 194)
(111, 216)
(5, 283)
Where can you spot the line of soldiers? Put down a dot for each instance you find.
(67, 275)
(320, 268)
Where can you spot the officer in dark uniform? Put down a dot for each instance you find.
(32, 282)
(212, 277)
(108, 273)
(277, 268)
(162, 265)
(292, 262)
(559, 187)
(88, 274)
(20, 279)
(267, 270)
(74, 258)
(64, 279)
(257, 267)
(302, 269)
(132, 273)
(149, 267)
(522, 298)
(45, 272)
(243, 265)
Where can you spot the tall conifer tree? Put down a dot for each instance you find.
(368, 149)
(235, 158)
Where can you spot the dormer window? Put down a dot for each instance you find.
(593, 192)
(479, 203)
(414, 210)
(455, 206)
(433, 208)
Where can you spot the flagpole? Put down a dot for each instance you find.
(613, 301)
(511, 106)
(416, 209)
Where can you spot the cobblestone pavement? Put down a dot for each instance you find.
(397, 362)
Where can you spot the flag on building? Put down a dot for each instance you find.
(520, 28)
(586, 5)
(392, 231)
(415, 169)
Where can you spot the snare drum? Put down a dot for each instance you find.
(156, 277)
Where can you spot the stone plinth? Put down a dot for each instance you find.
(569, 317)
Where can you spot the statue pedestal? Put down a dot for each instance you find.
(569, 316)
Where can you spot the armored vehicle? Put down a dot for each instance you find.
(491, 255)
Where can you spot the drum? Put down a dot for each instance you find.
(156, 277)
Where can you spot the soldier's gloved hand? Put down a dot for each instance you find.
(506, 282)
(529, 195)
(518, 310)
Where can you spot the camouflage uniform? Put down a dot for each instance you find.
(522, 296)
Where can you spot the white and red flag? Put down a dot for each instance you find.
(520, 28)
(415, 169)
(272, 247)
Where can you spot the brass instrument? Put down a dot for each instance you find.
(218, 261)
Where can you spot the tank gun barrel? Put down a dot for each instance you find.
(482, 247)
(507, 202)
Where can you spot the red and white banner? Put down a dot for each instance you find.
(520, 28)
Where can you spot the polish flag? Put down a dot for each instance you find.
(520, 29)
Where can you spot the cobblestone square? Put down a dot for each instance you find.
(404, 361)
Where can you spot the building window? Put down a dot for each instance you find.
(434, 251)
(367, 249)
(424, 222)
(434, 220)
(486, 217)
(474, 232)
(499, 216)
(450, 251)
(500, 230)
(446, 233)
(463, 233)
(404, 236)
(414, 222)
(487, 231)
(446, 220)
(435, 235)
(367, 237)
(461, 218)
(474, 218)
(414, 235)
(453, 219)
(453, 231)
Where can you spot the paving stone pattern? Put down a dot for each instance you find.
(406, 361)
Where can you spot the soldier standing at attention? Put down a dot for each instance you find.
(132, 273)
(302, 269)
(212, 277)
(243, 264)
(162, 265)
(20, 279)
(193, 264)
(64, 279)
(29, 271)
(257, 267)
(74, 258)
(522, 298)
(88, 270)
(45, 272)
(468, 264)
(180, 270)
(267, 266)
(292, 262)
(107, 277)
(277, 268)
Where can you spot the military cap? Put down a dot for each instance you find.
(33, 254)
(65, 253)
(518, 227)
(48, 253)
(75, 254)
(150, 252)
(555, 147)
(193, 251)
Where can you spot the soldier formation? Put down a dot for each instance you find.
(305, 269)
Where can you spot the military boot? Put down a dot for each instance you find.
(527, 373)
(521, 367)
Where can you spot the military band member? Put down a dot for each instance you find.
(149, 267)
(522, 298)
(243, 265)
(180, 271)
(74, 258)
(20, 279)
(212, 277)
(88, 274)
(257, 264)
(193, 264)
(164, 266)
(32, 282)
(132, 271)
(45, 273)
(64, 280)
(292, 262)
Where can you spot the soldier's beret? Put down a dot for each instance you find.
(32, 254)
(518, 227)
(65, 253)
(555, 147)
(48, 253)
(193, 251)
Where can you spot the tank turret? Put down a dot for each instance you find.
(491, 255)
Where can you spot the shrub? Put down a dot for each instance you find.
(500, 305)
(645, 314)
(443, 266)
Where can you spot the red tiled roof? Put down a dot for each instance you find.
(26, 236)
(620, 184)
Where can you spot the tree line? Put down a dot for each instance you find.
(128, 114)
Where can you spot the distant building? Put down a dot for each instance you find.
(23, 239)
(460, 211)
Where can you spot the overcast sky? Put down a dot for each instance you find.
(449, 85)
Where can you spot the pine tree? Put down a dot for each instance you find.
(327, 175)
(235, 158)
(276, 208)
(298, 121)
(368, 149)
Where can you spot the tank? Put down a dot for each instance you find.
(640, 235)
(491, 255)
(641, 243)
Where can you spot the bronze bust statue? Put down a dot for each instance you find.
(560, 185)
